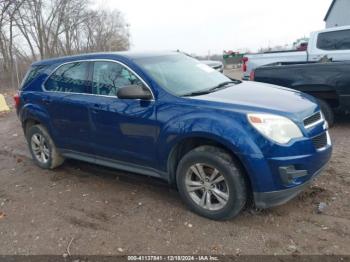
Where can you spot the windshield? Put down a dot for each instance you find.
(181, 75)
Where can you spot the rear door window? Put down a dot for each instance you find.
(336, 40)
(70, 78)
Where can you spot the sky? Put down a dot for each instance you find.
(211, 26)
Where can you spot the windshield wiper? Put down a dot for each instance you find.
(212, 89)
(197, 93)
(221, 85)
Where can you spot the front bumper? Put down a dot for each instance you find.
(282, 175)
(279, 197)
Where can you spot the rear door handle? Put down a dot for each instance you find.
(46, 100)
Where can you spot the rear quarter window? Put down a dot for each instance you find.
(336, 40)
(32, 73)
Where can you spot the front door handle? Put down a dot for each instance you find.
(95, 108)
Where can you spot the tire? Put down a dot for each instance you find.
(327, 111)
(40, 142)
(233, 187)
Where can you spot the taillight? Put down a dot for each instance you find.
(244, 66)
(252, 75)
(17, 100)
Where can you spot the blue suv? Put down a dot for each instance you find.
(221, 141)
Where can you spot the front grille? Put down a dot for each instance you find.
(312, 119)
(320, 141)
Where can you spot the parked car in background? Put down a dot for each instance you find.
(167, 115)
(217, 65)
(333, 43)
(328, 82)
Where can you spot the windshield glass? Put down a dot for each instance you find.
(180, 74)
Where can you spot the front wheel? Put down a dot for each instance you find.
(211, 183)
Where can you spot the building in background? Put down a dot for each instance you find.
(338, 14)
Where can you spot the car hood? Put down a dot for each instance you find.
(259, 97)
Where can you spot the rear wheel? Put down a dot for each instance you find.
(42, 148)
(211, 184)
(327, 111)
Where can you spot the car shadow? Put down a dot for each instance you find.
(342, 120)
(147, 187)
(111, 174)
(160, 190)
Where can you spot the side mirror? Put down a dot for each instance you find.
(134, 92)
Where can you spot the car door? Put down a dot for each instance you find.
(333, 44)
(66, 98)
(123, 129)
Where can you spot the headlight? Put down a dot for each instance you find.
(277, 128)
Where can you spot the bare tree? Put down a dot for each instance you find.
(39, 29)
(106, 31)
(8, 9)
(66, 27)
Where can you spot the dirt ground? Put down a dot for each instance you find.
(94, 210)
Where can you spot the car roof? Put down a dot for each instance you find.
(131, 55)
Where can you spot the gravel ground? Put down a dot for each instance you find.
(94, 210)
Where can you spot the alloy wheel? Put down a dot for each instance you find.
(207, 187)
(40, 149)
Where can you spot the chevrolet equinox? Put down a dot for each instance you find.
(221, 142)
